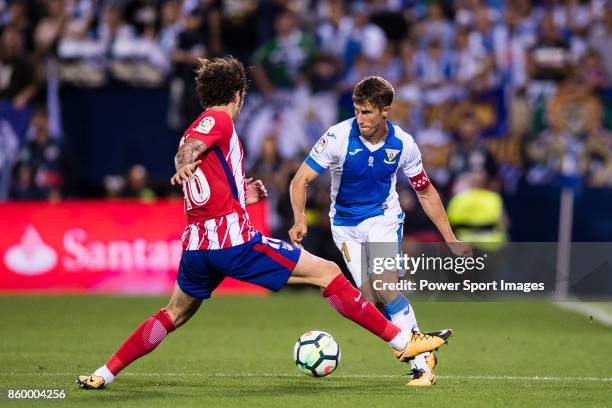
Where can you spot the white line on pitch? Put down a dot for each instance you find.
(584, 308)
(357, 376)
(523, 378)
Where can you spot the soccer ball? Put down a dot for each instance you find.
(316, 353)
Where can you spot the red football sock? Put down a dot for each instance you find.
(350, 303)
(144, 340)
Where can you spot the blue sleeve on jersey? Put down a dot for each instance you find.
(314, 165)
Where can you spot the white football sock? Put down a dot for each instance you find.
(405, 319)
(105, 373)
(420, 364)
(400, 341)
(402, 315)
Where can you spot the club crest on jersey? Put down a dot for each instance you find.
(391, 155)
(320, 146)
(205, 125)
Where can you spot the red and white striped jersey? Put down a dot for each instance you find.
(215, 198)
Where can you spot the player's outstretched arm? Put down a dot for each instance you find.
(297, 194)
(433, 207)
(186, 161)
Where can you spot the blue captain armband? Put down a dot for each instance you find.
(314, 165)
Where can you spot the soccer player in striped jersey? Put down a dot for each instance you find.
(364, 154)
(219, 240)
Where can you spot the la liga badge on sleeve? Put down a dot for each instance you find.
(320, 146)
(205, 125)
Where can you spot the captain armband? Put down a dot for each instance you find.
(420, 182)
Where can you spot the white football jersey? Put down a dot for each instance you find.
(364, 175)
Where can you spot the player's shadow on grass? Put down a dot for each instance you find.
(240, 387)
(117, 396)
(275, 386)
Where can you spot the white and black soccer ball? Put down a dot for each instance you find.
(316, 353)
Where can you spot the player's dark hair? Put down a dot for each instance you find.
(374, 90)
(218, 80)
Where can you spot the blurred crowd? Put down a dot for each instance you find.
(495, 92)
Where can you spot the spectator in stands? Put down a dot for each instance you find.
(601, 41)
(435, 144)
(190, 45)
(549, 60)
(469, 61)
(50, 29)
(140, 60)
(40, 165)
(281, 75)
(9, 146)
(113, 186)
(386, 65)
(269, 167)
(470, 156)
(18, 83)
(407, 100)
(237, 27)
(18, 16)
(268, 164)
(434, 71)
(171, 25)
(47, 36)
(281, 63)
(437, 27)
(573, 17)
(595, 162)
(113, 26)
(481, 37)
(573, 113)
(511, 39)
(136, 184)
(316, 104)
(369, 38)
(23, 187)
(466, 12)
(333, 34)
(592, 72)
(487, 79)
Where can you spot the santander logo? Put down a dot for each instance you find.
(31, 256)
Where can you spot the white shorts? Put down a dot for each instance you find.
(379, 229)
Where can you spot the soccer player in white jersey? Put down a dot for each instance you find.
(364, 154)
(220, 242)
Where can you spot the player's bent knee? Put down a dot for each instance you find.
(313, 270)
(328, 271)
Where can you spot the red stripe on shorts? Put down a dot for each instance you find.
(278, 258)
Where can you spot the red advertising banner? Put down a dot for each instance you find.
(125, 247)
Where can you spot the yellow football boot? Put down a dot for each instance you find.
(431, 360)
(423, 342)
(91, 382)
(421, 379)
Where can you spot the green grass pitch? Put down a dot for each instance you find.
(237, 351)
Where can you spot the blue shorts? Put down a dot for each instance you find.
(263, 261)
